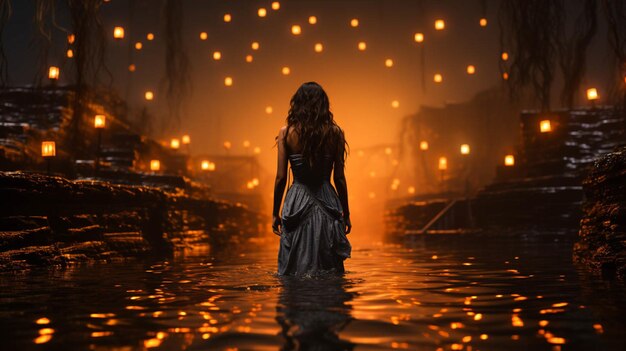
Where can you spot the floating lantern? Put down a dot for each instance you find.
(438, 78)
(228, 17)
(118, 33)
(296, 29)
(319, 47)
(99, 121)
(388, 63)
(138, 45)
(217, 55)
(186, 139)
(257, 150)
(545, 126)
(255, 181)
(395, 104)
(228, 81)
(150, 36)
(53, 73)
(249, 58)
(505, 56)
(388, 151)
(71, 38)
(250, 185)
(269, 110)
(255, 45)
(505, 76)
(592, 94)
(443, 163)
(175, 143)
(371, 195)
(262, 12)
(354, 22)
(149, 95)
(205, 165)
(362, 46)
(465, 149)
(418, 37)
(286, 71)
(204, 35)
(411, 190)
(227, 145)
(440, 24)
(423, 145)
(483, 22)
(312, 20)
(48, 149)
(155, 165)
(471, 69)
(275, 5)
(70, 53)
(509, 160)
(246, 143)
(132, 67)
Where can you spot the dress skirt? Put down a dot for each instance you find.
(313, 238)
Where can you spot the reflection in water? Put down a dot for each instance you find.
(312, 312)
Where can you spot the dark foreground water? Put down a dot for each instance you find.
(472, 293)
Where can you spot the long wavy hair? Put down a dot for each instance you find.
(310, 115)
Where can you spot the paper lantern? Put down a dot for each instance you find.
(418, 37)
(443, 163)
(227, 145)
(71, 38)
(269, 110)
(255, 45)
(483, 22)
(246, 143)
(411, 190)
(545, 126)
(257, 150)
(48, 149)
(175, 143)
(70, 53)
(118, 33)
(465, 149)
(150, 36)
(249, 58)
(53, 73)
(149, 95)
(395, 104)
(228, 17)
(440, 24)
(286, 71)
(155, 165)
(99, 121)
(505, 56)
(205, 165)
(138, 45)
(132, 67)
(509, 160)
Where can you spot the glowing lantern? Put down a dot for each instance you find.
(228, 18)
(132, 67)
(150, 36)
(257, 150)
(255, 45)
(149, 95)
(312, 20)
(509, 160)
(53, 73)
(465, 149)
(186, 139)
(99, 121)
(48, 149)
(505, 76)
(138, 45)
(296, 29)
(255, 181)
(246, 143)
(592, 94)
(388, 63)
(269, 110)
(71, 38)
(354, 23)
(505, 56)
(228, 81)
(545, 126)
(411, 190)
(418, 37)
(262, 12)
(249, 58)
(438, 78)
(388, 151)
(227, 145)
(319, 47)
(217, 55)
(443, 163)
(483, 22)
(175, 143)
(423, 145)
(286, 70)
(275, 5)
(155, 165)
(205, 165)
(70, 53)
(440, 24)
(118, 32)
(204, 35)
(395, 104)
(471, 69)
(371, 195)
(250, 185)
(362, 46)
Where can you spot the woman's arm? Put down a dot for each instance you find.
(281, 180)
(339, 178)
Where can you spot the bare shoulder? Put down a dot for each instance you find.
(339, 134)
(281, 132)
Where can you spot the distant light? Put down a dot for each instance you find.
(205, 165)
(71, 38)
(395, 104)
(592, 94)
(269, 110)
(228, 81)
(228, 17)
(483, 22)
(250, 185)
(53, 72)
(99, 121)
(465, 149)
(275, 5)
(545, 126)
(438, 78)
(249, 58)
(360, 153)
(312, 20)
(443, 163)
(217, 55)
(155, 165)
(296, 29)
(255, 45)
(319, 47)
(186, 139)
(505, 76)
(354, 22)
(138, 45)
(262, 12)
(175, 143)
(471, 69)
(204, 35)
(257, 150)
(246, 143)
(411, 190)
(255, 181)
(149, 95)
(440, 24)
(132, 67)
(389, 63)
(362, 46)
(227, 145)
(118, 32)
(418, 37)
(48, 149)
(388, 151)
(286, 70)
(371, 195)
(423, 145)
(509, 160)
(505, 56)
(70, 53)
(150, 36)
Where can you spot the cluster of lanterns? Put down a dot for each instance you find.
(251, 184)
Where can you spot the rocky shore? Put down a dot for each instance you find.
(602, 237)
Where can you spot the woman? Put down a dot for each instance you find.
(315, 217)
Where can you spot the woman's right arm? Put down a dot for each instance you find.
(339, 178)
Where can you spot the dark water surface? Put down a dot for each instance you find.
(455, 293)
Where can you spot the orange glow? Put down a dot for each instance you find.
(70, 53)
(255, 181)
(505, 56)
(465, 149)
(411, 190)
(418, 37)
(592, 94)
(246, 143)
(269, 110)
(286, 71)
(205, 165)
(71, 38)
(186, 139)
(227, 145)
(509, 160)
(228, 17)
(99, 121)
(389, 63)
(257, 150)
(545, 126)
(43, 320)
(440, 24)
(255, 45)
(362, 46)
(132, 67)
(438, 78)
(204, 35)
(48, 149)
(262, 12)
(275, 5)
(471, 69)
(217, 55)
(483, 22)
(319, 47)
(155, 165)
(354, 22)
(395, 104)
(443, 163)
(138, 45)
(53, 72)
(175, 143)
(228, 81)
(149, 95)
(423, 145)
(296, 29)
(150, 36)
(249, 58)
(505, 76)
(118, 32)
(312, 20)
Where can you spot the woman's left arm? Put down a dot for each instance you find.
(281, 180)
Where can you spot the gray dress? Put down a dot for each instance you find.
(313, 238)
